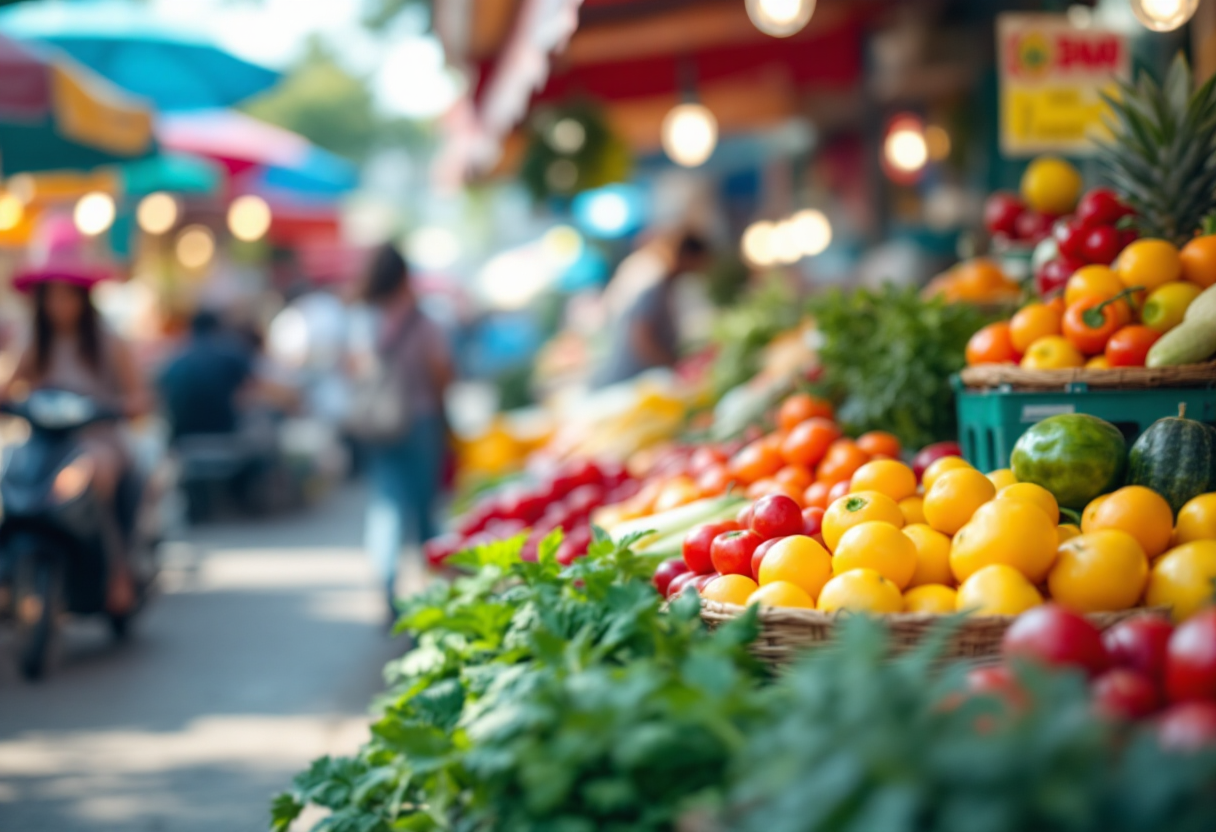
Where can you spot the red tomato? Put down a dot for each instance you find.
(1140, 644)
(1190, 664)
(1053, 635)
(667, 572)
(812, 521)
(1090, 322)
(702, 581)
(1101, 244)
(1069, 236)
(574, 545)
(1101, 206)
(1033, 225)
(697, 544)
(991, 345)
(1189, 726)
(1001, 212)
(1052, 276)
(704, 458)
(585, 499)
(439, 549)
(1121, 693)
(760, 552)
(744, 517)
(679, 582)
(995, 681)
(816, 495)
(776, 516)
(731, 552)
(930, 454)
(1130, 345)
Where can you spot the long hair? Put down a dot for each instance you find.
(386, 274)
(88, 331)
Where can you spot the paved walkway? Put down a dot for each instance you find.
(263, 652)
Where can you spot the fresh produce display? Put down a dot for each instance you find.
(1075, 456)
(1176, 457)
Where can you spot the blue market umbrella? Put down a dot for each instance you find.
(124, 41)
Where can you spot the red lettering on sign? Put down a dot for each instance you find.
(1087, 53)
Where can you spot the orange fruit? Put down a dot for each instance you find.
(886, 476)
(1139, 511)
(1099, 282)
(808, 442)
(1198, 260)
(782, 594)
(1008, 532)
(1148, 263)
(860, 590)
(1051, 185)
(913, 509)
(880, 442)
(955, 496)
(857, 508)
(1102, 571)
(941, 466)
(797, 560)
(756, 461)
(932, 555)
(1067, 531)
(1001, 477)
(931, 599)
(795, 476)
(1196, 520)
(1182, 578)
(1032, 322)
(816, 495)
(997, 590)
(1036, 495)
(729, 589)
(991, 345)
(843, 458)
(878, 546)
(1054, 352)
(802, 406)
(1087, 515)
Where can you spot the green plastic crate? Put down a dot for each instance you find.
(990, 421)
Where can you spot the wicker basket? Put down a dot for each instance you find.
(987, 376)
(786, 632)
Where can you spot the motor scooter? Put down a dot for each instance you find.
(52, 553)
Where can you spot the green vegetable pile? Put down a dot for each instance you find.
(742, 331)
(568, 700)
(887, 358)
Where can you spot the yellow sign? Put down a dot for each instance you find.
(1052, 76)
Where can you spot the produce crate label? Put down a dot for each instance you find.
(1032, 413)
(1052, 74)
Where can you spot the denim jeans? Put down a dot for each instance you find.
(404, 481)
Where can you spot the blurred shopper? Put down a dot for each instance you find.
(397, 411)
(644, 334)
(201, 385)
(72, 349)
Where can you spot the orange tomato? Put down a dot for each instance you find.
(1092, 282)
(980, 279)
(714, 480)
(1052, 353)
(802, 406)
(880, 442)
(795, 476)
(841, 461)
(679, 491)
(808, 441)
(1139, 511)
(1032, 322)
(1199, 261)
(991, 345)
(1148, 263)
(816, 495)
(767, 487)
(1089, 323)
(1130, 345)
(754, 462)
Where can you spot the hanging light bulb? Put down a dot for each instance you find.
(905, 149)
(780, 18)
(195, 246)
(757, 243)
(1164, 15)
(690, 133)
(157, 213)
(94, 213)
(249, 218)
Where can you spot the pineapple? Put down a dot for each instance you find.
(1163, 156)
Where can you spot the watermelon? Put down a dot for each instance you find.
(1075, 456)
(1176, 457)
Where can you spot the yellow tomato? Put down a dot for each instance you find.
(1103, 571)
(1092, 282)
(913, 509)
(932, 555)
(1148, 263)
(1001, 478)
(1032, 322)
(878, 546)
(1182, 578)
(860, 590)
(797, 560)
(782, 594)
(1165, 306)
(1139, 511)
(1036, 495)
(886, 476)
(1067, 531)
(1098, 362)
(853, 509)
(941, 466)
(955, 496)
(729, 589)
(1051, 185)
(931, 599)
(1008, 532)
(1196, 520)
(997, 590)
(1055, 352)
(1087, 515)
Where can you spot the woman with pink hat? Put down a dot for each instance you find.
(70, 348)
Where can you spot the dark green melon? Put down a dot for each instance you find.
(1176, 457)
